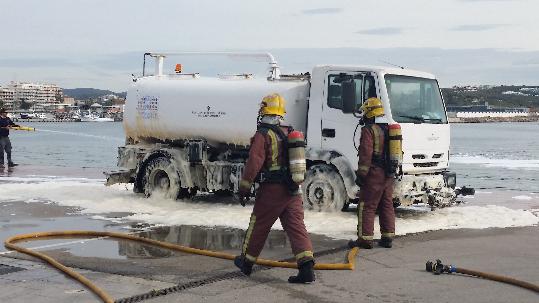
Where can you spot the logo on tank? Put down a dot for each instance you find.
(147, 107)
(208, 112)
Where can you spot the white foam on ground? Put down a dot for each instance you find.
(522, 197)
(488, 162)
(94, 198)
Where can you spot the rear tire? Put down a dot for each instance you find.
(161, 176)
(323, 189)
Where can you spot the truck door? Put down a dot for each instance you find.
(338, 124)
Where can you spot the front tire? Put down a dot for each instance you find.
(323, 189)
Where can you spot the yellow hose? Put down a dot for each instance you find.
(26, 128)
(498, 278)
(10, 244)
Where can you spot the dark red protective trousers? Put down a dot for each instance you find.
(376, 194)
(274, 201)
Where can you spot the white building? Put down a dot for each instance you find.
(39, 95)
(492, 114)
(7, 97)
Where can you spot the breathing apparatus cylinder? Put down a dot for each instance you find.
(296, 156)
(395, 146)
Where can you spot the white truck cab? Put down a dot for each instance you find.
(410, 98)
(190, 132)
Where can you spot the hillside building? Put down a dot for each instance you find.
(486, 111)
(39, 95)
(7, 97)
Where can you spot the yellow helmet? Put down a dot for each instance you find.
(273, 105)
(372, 108)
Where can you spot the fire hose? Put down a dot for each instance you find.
(438, 268)
(10, 244)
(26, 128)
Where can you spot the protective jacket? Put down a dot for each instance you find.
(273, 200)
(267, 156)
(373, 149)
(376, 192)
(4, 123)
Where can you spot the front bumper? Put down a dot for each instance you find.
(435, 190)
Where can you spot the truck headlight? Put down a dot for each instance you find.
(450, 179)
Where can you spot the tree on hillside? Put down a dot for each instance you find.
(59, 97)
(25, 105)
(499, 96)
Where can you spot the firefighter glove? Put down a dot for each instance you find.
(243, 196)
(360, 180)
(242, 200)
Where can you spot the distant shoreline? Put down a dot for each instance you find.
(54, 120)
(451, 120)
(494, 119)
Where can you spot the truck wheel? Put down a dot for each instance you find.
(161, 177)
(323, 189)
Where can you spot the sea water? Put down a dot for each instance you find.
(496, 155)
(500, 160)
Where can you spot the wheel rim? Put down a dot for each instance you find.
(320, 194)
(160, 180)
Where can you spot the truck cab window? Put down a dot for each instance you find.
(415, 100)
(334, 99)
(370, 88)
(334, 94)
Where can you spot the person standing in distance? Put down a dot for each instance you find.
(375, 179)
(5, 143)
(277, 197)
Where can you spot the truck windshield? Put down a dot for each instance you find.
(415, 100)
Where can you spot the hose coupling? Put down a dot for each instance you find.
(438, 267)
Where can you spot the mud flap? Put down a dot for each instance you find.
(119, 176)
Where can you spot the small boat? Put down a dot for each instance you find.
(95, 118)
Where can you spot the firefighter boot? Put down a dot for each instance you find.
(245, 266)
(366, 244)
(305, 274)
(386, 242)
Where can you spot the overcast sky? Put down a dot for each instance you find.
(99, 43)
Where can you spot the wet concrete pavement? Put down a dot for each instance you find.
(128, 270)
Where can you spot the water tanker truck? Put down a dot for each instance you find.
(189, 133)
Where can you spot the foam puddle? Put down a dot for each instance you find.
(522, 197)
(96, 199)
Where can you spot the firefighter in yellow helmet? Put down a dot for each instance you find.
(273, 106)
(372, 108)
(375, 179)
(277, 196)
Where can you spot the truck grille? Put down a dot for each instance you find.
(426, 164)
(422, 156)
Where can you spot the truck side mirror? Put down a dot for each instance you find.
(349, 97)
